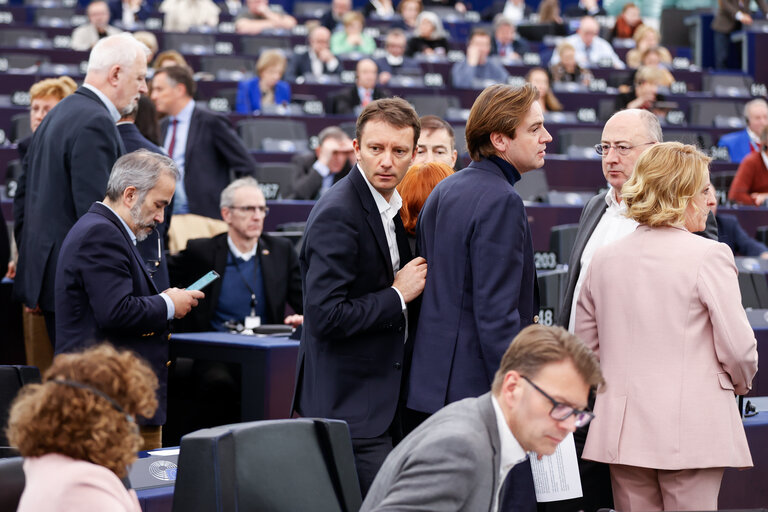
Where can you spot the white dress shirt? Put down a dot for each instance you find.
(614, 225)
(387, 211)
(106, 101)
(592, 57)
(511, 452)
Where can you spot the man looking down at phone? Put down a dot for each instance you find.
(104, 291)
(259, 273)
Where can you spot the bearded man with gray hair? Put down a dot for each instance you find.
(104, 290)
(68, 164)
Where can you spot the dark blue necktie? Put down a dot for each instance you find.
(518, 493)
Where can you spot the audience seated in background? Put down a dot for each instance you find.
(409, 11)
(87, 35)
(730, 232)
(480, 66)
(652, 57)
(352, 39)
(419, 181)
(647, 37)
(267, 88)
(514, 10)
(567, 69)
(547, 99)
(429, 38)
(591, 49)
(750, 185)
(318, 61)
(169, 58)
(746, 141)
(627, 22)
(332, 19)
(645, 93)
(78, 433)
(259, 16)
(184, 15)
(364, 91)
(506, 43)
(394, 62)
(585, 8)
(549, 14)
(317, 171)
(380, 9)
(437, 142)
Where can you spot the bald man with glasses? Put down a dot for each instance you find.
(626, 135)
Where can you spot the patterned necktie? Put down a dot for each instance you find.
(171, 146)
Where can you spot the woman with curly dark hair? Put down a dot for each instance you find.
(77, 430)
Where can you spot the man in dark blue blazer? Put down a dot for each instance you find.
(103, 289)
(358, 276)
(473, 231)
(68, 163)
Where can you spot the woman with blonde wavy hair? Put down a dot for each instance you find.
(77, 430)
(662, 310)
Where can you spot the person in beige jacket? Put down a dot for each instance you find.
(662, 309)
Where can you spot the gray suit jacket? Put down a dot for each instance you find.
(451, 462)
(590, 217)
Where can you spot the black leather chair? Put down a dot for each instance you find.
(275, 465)
(12, 378)
(11, 482)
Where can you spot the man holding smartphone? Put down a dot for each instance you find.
(103, 288)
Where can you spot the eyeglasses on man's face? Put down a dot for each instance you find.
(561, 411)
(622, 149)
(251, 210)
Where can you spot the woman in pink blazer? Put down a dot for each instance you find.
(77, 432)
(662, 310)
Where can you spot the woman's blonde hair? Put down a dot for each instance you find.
(270, 58)
(665, 179)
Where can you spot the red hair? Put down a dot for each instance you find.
(416, 187)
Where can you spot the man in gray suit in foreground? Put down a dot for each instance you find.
(459, 458)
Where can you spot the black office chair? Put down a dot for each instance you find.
(561, 241)
(196, 44)
(12, 379)
(24, 38)
(717, 113)
(227, 67)
(275, 465)
(19, 127)
(276, 179)
(432, 104)
(749, 296)
(11, 482)
(254, 45)
(254, 131)
(701, 140)
(533, 186)
(584, 138)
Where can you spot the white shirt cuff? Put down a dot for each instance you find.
(321, 168)
(169, 305)
(739, 15)
(402, 301)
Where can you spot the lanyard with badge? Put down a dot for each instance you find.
(252, 321)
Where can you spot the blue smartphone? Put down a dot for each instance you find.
(204, 281)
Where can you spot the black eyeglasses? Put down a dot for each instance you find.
(622, 149)
(561, 411)
(250, 210)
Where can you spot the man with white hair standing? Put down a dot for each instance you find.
(68, 164)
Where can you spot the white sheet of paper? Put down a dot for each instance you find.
(556, 476)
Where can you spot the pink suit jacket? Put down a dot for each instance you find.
(662, 310)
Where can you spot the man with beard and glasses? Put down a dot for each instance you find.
(103, 288)
(68, 162)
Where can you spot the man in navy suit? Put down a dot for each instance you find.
(103, 288)
(317, 61)
(68, 162)
(358, 276)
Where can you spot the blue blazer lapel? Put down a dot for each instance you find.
(373, 217)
